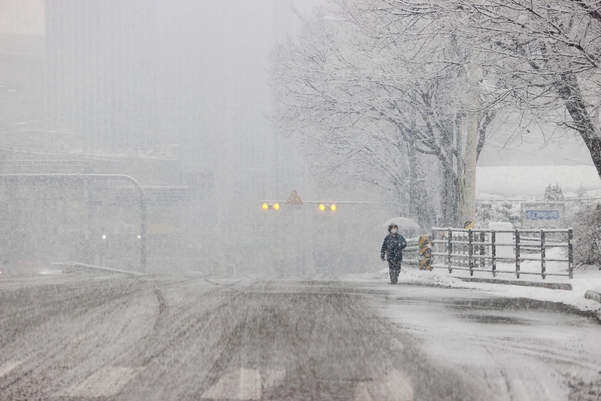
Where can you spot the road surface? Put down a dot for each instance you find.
(120, 337)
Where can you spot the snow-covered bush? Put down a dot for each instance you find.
(587, 236)
(508, 212)
(554, 194)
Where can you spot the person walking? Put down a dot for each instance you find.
(392, 250)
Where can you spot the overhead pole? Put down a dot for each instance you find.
(101, 177)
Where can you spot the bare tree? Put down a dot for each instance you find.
(381, 80)
(377, 88)
(537, 55)
(556, 46)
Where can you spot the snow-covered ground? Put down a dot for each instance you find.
(585, 278)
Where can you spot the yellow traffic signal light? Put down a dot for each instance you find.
(327, 206)
(267, 206)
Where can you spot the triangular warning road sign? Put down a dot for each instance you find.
(294, 199)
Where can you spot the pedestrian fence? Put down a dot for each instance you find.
(476, 250)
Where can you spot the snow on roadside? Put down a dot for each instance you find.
(585, 278)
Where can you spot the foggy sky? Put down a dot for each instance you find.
(22, 16)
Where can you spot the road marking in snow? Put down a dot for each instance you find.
(519, 389)
(273, 378)
(499, 390)
(396, 386)
(397, 345)
(534, 390)
(8, 366)
(399, 386)
(105, 383)
(250, 384)
(245, 384)
(362, 393)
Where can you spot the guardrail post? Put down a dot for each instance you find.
(517, 253)
(543, 268)
(482, 250)
(493, 247)
(470, 251)
(570, 254)
(450, 250)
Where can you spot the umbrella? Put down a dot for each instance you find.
(404, 224)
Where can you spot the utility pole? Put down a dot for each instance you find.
(468, 195)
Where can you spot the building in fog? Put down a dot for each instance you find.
(21, 83)
(80, 97)
(173, 93)
(101, 73)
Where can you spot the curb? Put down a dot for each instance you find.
(552, 286)
(74, 268)
(594, 295)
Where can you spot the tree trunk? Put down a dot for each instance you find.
(450, 198)
(420, 202)
(569, 90)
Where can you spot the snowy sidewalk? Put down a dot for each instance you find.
(587, 280)
(582, 291)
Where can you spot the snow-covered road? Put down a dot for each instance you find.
(122, 337)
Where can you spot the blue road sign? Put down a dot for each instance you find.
(542, 214)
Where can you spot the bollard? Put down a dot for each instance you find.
(425, 252)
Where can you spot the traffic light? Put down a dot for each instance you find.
(271, 205)
(327, 206)
(294, 202)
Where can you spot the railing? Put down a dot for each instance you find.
(418, 252)
(410, 253)
(76, 267)
(482, 250)
(39, 178)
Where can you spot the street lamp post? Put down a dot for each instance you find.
(98, 177)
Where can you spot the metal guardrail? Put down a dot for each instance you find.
(76, 267)
(39, 178)
(480, 250)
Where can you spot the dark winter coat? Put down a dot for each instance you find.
(393, 247)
